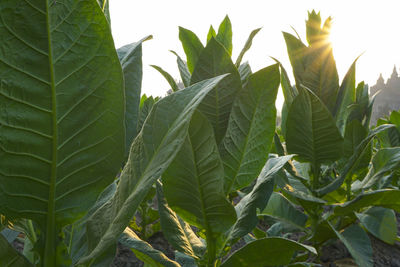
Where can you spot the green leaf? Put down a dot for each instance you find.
(185, 260)
(183, 69)
(151, 153)
(211, 33)
(387, 198)
(176, 231)
(9, 256)
(296, 50)
(244, 149)
(192, 47)
(224, 35)
(271, 251)
(282, 209)
(313, 27)
(380, 222)
(146, 104)
(244, 72)
(345, 97)
(144, 251)
(76, 234)
(193, 183)
(257, 198)
(321, 75)
(246, 47)
(355, 133)
(351, 164)
(62, 112)
(130, 57)
(289, 91)
(311, 131)
(384, 161)
(213, 61)
(104, 5)
(168, 77)
(358, 243)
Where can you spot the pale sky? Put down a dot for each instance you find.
(358, 26)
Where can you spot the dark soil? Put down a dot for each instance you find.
(385, 255)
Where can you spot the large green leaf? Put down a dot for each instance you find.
(144, 251)
(387, 198)
(311, 130)
(314, 66)
(130, 57)
(213, 61)
(224, 35)
(9, 256)
(152, 151)
(193, 183)
(380, 222)
(246, 46)
(62, 112)
(384, 161)
(257, 198)
(358, 243)
(272, 251)
(192, 47)
(175, 230)
(244, 149)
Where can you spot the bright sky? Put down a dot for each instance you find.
(359, 26)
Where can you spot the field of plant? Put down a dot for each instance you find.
(88, 163)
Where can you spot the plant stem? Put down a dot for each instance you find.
(348, 189)
(211, 249)
(316, 171)
(32, 232)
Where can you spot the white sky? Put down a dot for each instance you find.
(358, 26)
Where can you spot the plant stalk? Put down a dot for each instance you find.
(211, 249)
(316, 172)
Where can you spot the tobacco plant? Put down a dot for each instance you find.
(63, 134)
(226, 149)
(335, 175)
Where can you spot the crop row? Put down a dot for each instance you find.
(84, 157)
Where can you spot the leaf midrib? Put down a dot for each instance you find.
(50, 245)
(234, 180)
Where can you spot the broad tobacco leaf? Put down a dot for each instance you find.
(160, 139)
(214, 60)
(244, 149)
(62, 133)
